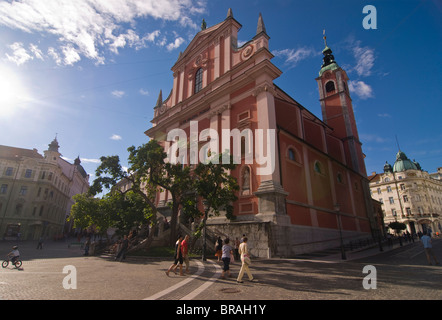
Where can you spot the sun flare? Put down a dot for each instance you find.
(13, 93)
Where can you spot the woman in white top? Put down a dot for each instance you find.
(245, 259)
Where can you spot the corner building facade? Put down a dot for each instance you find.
(318, 186)
(36, 192)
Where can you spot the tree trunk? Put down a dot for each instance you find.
(173, 222)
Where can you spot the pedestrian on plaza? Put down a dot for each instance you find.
(389, 239)
(426, 241)
(14, 255)
(40, 243)
(178, 257)
(219, 248)
(245, 261)
(185, 252)
(123, 248)
(237, 243)
(226, 257)
(86, 246)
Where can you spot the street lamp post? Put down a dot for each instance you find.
(338, 217)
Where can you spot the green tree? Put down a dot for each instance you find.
(126, 210)
(397, 226)
(113, 210)
(216, 188)
(147, 173)
(86, 211)
(155, 172)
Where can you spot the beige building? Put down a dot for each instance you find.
(36, 191)
(409, 194)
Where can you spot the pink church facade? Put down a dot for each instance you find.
(302, 179)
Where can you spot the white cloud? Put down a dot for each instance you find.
(36, 51)
(150, 37)
(87, 28)
(365, 60)
(293, 57)
(173, 45)
(361, 89)
(52, 52)
(384, 115)
(364, 56)
(90, 160)
(144, 92)
(70, 55)
(19, 55)
(118, 93)
(116, 137)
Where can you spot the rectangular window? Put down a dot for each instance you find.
(405, 198)
(198, 80)
(408, 211)
(9, 171)
(393, 212)
(391, 200)
(4, 189)
(28, 173)
(379, 191)
(23, 191)
(389, 189)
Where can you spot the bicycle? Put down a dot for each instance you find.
(17, 263)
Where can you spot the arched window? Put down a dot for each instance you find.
(340, 178)
(318, 167)
(198, 80)
(292, 154)
(330, 86)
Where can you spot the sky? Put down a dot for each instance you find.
(90, 71)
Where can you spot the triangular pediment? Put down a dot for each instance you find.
(204, 35)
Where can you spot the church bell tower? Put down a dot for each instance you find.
(337, 109)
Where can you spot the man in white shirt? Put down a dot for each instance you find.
(426, 241)
(14, 254)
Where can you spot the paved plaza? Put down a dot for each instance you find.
(62, 273)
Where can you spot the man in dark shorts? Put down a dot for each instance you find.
(178, 257)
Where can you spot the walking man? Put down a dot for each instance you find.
(178, 258)
(245, 261)
(426, 241)
(185, 252)
(122, 253)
